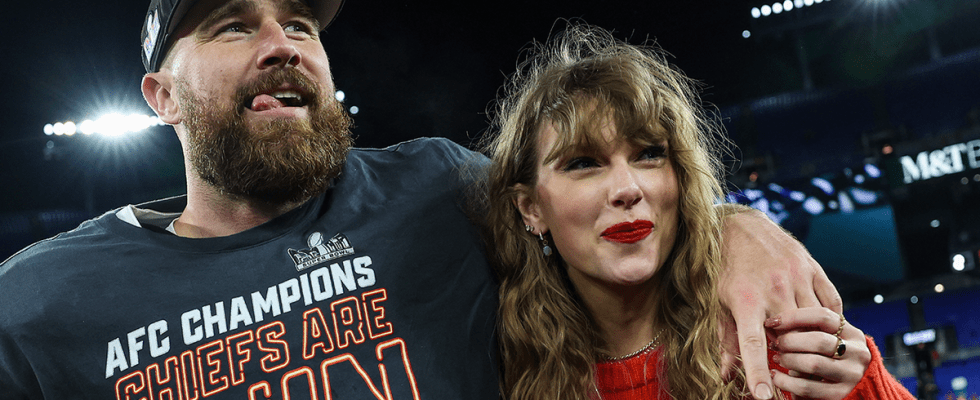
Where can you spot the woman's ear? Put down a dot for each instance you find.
(530, 211)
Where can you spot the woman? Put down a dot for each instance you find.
(602, 219)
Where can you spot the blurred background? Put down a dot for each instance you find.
(857, 124)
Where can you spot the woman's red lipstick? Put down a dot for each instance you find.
(628, 232)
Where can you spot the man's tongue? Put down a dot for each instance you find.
(264, 102)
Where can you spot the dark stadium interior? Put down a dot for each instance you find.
(857, 125)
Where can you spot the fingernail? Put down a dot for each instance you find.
(772, 322)
(775, 358)
(762, 392)
(772, 373)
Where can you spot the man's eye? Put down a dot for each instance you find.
(580, 163)
(232, 28)
(297, 27)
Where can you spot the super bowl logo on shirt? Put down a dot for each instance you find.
(320, 251)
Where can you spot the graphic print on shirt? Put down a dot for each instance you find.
(301, 337)
(320, 252)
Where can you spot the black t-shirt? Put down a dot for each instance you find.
(377, 289)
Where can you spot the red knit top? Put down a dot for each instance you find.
(639, 378)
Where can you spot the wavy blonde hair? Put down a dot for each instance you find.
(549, 342)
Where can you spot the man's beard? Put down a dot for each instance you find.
(278, 161)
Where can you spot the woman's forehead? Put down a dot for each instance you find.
(558, 138)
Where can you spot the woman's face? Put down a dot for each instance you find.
(612, 210)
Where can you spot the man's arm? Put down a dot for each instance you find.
(765, 271)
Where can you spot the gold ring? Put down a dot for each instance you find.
(841, 328)
(841, 348)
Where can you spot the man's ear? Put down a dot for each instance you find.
(157, 90)
(529, 208)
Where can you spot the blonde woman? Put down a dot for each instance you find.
(603, 222)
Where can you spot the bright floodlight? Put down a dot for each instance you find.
(766, 10)
(777, 8)
(879, 299)
(111, 125)
(788, 5)
(959, 262)
(808, 2)
(798, 3)
(934, 223)
(354, 109)
(746, 34)
(340, 95)
(756, 13)
(914, 299)
(939, 288)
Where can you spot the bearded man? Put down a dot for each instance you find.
(294, 266)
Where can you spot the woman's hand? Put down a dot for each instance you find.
(826, 356)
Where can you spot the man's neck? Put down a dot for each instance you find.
(210, 213)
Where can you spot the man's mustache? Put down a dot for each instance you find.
(273, 80)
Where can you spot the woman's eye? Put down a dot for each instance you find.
(653, 153)
(580, 163)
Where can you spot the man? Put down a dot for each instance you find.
(293, 267)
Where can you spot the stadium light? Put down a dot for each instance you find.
(813, 206)
(872, 170)
(963, 261)
(109, 125)
(823, 184)
(846, 205)
(781, 6)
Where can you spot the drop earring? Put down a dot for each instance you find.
(544, 245)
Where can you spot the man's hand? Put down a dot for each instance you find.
(765, 272)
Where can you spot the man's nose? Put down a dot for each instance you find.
(277, 49)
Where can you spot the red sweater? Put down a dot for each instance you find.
(638, 378)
